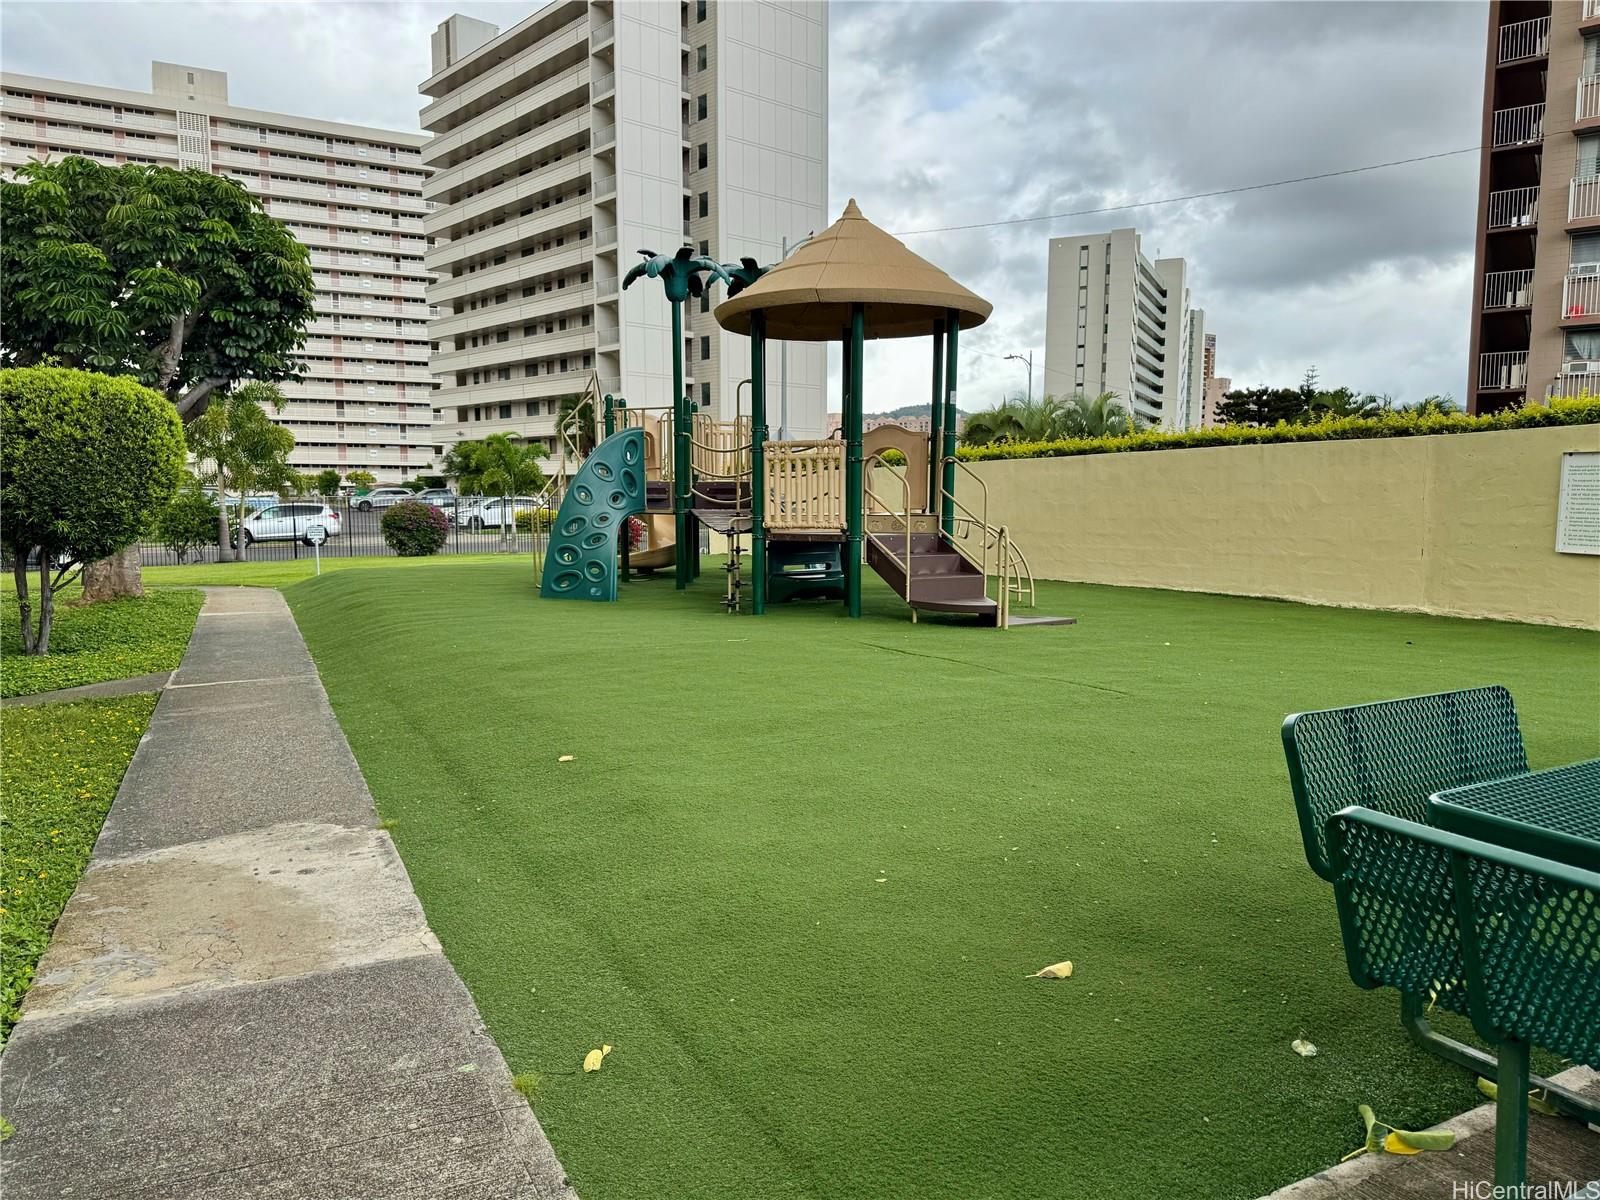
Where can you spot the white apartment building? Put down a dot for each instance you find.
(352, 195)
(1117, 322)
(588, 131)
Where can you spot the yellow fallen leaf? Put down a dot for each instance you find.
(593, 1059)
(1060, 970)
(565, 758)
(1303, 1048)
(1394, 1145)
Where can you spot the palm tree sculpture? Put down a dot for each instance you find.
(742, 274)
(680, 275)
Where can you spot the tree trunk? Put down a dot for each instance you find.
(114, 578)
(47, 599)
(19, 571)
(240, 553)
(224, 549)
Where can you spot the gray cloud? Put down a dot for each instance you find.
(954, 113)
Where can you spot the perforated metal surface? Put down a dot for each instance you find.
(1391, 756)
(1397, 897)
(1534, 943)
(1510, 939)
(1554, 813)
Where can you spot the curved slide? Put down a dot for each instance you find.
(606, 491)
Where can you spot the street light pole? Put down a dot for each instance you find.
(1029, 361)
(783, 350)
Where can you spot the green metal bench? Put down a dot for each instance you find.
(1507, 939)
(1390, 757)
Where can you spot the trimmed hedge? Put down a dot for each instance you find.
(1583, 411)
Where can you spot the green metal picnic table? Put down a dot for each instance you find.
(1552, 814)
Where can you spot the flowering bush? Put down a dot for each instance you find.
(414, 529)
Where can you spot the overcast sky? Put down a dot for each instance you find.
(952, 114)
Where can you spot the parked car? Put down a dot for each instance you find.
(288, 522)
(438, 497)
(381, 497)
(493, 512)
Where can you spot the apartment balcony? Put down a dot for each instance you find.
(1588, 104)
(1514, 208)
(530, 144)
(605, 289)
(511, 390)
(508, 197)
(1576, 378)
(1523, 126)
(605, 238)
(484, 128)
(602, 87)
(435, 115)
(512, 275)
(512, 313)
(1508, 289)
(603, 35)
(604, 187)
(519, 350)
(541, 223)
(1525, 39)
(1580, 294)
(1503, 371)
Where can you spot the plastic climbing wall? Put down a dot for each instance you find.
(608, 489)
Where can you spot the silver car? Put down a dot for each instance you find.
(381, 497)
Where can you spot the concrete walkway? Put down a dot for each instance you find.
(243, 997)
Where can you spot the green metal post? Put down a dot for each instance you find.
(854, 499)
(611, 416)
(1511, 1118)
(936, 415)
(758, 460)
(953, 333)
(680, 453)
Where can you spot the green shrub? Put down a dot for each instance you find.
(86, 463)
(413, 529)
(538, 521)
(524, 521)
(188, 523)
(1582, 411)
(893, 458)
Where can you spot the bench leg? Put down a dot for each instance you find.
(1511, 1118)
(1462, 1055)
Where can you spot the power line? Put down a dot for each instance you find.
(1231, 191)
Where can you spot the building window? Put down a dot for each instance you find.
(703, 156)
(705, 395)
(505, 412)
(699, 15)
(705, 204)
(705, 348)
(700, 59)
(705, 301)
(700, 108)
(705, 247)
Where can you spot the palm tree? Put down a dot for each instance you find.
(579, 408)
(508, 470)
(1102, 416)
(238, 446)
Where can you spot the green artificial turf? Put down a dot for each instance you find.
(96, 642)
(798, 867)
(277, 573)
(60, 766)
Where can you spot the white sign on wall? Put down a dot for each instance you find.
(1578, 515)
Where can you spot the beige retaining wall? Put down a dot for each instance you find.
(1461, 525)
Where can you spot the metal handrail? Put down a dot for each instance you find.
(1009, 575)
(905, 513)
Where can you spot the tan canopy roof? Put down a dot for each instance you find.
(807, 297)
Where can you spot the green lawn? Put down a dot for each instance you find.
(277, 574)
(798, 867)
(60, 765)
(96, 642)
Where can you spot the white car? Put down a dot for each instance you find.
(493, 512)
(381, 498)
(290, 522)
(438, 497)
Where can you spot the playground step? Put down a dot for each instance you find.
(940, 576)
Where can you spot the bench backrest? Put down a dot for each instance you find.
(1510, 940)
(1392, 755)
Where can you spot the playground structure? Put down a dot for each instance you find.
(817, 511)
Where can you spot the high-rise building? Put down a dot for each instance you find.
(351, 194)
(1117, 322)
(586, 132)
(1536, 289)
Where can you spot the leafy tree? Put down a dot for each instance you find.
(189, 522)
(327, 483)
(1434, 406)
(505, 468)
(1262, 406)
(1101, 416)
(362, 481)
(243, 450)
(1048, 419)
(178, 278)
(86, 462)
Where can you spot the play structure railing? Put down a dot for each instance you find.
(720, 449)
(876, 504)
(805, 484)
(657, 426)
(1013, 576)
